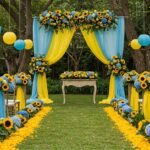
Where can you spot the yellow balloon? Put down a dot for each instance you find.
(28, 44)
(9, 38)
(135, 44)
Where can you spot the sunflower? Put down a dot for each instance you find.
(120, 110)
(58, 11)
(44, 21)
(29, 110)
(23, 119)
(25, 82)
(67, 13)
(40, 69)
(38, 104)
(128, 78)
(144, 85)
(115, 57)
(6, 75)
(76, 16)
(122, 61)
(8, 123)
(5, 87)
(85, 13)
(142, 78)
(122, 101)
(133, 114)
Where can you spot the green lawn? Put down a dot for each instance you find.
(77, 125)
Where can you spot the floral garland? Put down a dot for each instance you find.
(117, 66)
(17, 137)
(129, 131)
(79, 75)
(130, 77)
(143, 81)
(38, 64)
(96, 20)
(11, 124)
(23, 79)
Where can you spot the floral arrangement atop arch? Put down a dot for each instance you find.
(95, 20)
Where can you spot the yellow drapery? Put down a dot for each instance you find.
(134, 99)
(20, 95)
(93, 45)
(146, 104)
(59, 44)
(97, 51)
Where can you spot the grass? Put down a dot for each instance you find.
(77, 125)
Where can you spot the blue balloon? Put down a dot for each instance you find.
(19, 45)
(144, 39)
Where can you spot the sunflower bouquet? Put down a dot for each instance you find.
(143, 81)
(38, 64)
(144, 127)
(23, 79)
(4, 85)
(117, 66)
(92, 20)
(79, 75)
(130, 77)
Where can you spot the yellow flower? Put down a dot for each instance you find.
(85, 13)
(5, 87)
(144, 85)
(40, 69)
(29, 110)
(140, 125)
(142, 78)
(133, 114)
(38, 104)
(120, 110)
(6, 75)
(8, 123)
(67, 13)
(58, 11)
(25, 82)
(114, 57)
(128, 78)
(1, 79)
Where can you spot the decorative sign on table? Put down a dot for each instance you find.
(79, 79)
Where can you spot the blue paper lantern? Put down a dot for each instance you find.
(144, 39)
(19, 45)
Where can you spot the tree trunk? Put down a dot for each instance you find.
(130, 32)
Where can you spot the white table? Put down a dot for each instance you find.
(79, 83)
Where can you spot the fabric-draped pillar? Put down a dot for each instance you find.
(52, 46)
(105, 45)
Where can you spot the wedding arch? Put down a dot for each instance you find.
(53, 32)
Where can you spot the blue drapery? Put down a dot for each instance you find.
(112, 44)
(2, 104)
(42, 38)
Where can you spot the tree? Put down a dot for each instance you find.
(141, 58)
(21, 13)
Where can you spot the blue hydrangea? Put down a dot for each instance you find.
(126, 109)
(16, 120)
(147, 130)
(24, 113)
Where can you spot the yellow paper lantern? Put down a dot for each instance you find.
(9, 38)
(28, 44)
(135, 44)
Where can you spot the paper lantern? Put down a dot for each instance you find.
(9, 38)
(135, 44)
(144, 39)
(28, 44)
(19, 45)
